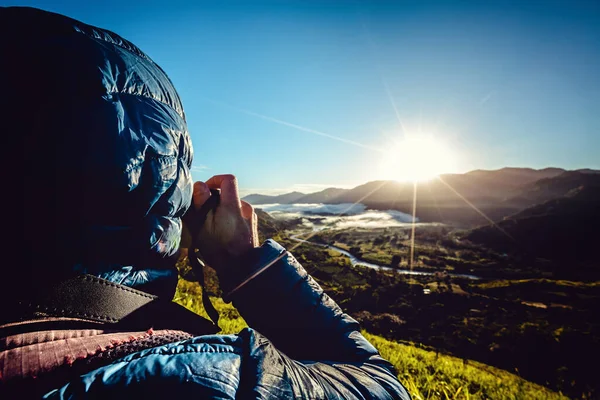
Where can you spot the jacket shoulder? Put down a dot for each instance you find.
(205, 366)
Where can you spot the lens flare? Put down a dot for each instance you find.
(417, 158)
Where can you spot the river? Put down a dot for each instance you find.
(357, 261)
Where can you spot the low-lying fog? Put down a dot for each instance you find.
(345, 215)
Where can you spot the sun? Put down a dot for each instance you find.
(417, 158)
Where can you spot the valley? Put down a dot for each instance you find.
(517, 316)
(520, 294)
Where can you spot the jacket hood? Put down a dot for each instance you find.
(106, 151)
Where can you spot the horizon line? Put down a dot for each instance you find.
(244, 192)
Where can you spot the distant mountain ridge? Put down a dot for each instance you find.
(497, 180)
(287, 198)
(496, 193)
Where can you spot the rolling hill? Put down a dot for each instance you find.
(554, 187)
(478, 185)
(562, 229)
(454, 197)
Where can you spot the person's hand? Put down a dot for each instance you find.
(231, 229)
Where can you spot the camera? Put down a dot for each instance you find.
(194, 219)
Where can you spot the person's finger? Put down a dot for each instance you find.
(247, 210)
(201, 194)
(229, 191)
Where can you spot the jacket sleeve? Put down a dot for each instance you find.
(285, 304)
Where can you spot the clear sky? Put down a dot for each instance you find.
(499, 83)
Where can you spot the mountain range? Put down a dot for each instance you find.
(460, 199)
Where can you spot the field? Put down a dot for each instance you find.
(436, 248)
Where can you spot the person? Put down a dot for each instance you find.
(106, 180)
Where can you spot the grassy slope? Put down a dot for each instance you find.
(426, 374)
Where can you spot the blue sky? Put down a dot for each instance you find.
(499, 83)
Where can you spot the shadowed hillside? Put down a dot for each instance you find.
(554, 187)
(563, 229)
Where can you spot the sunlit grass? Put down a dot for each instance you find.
(426, 374)
(429, 375)
(189, 295)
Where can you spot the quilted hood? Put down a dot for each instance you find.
(106, 152)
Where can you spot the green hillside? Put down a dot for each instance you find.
(426, 374)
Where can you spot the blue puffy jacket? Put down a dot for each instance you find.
(110, 129)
